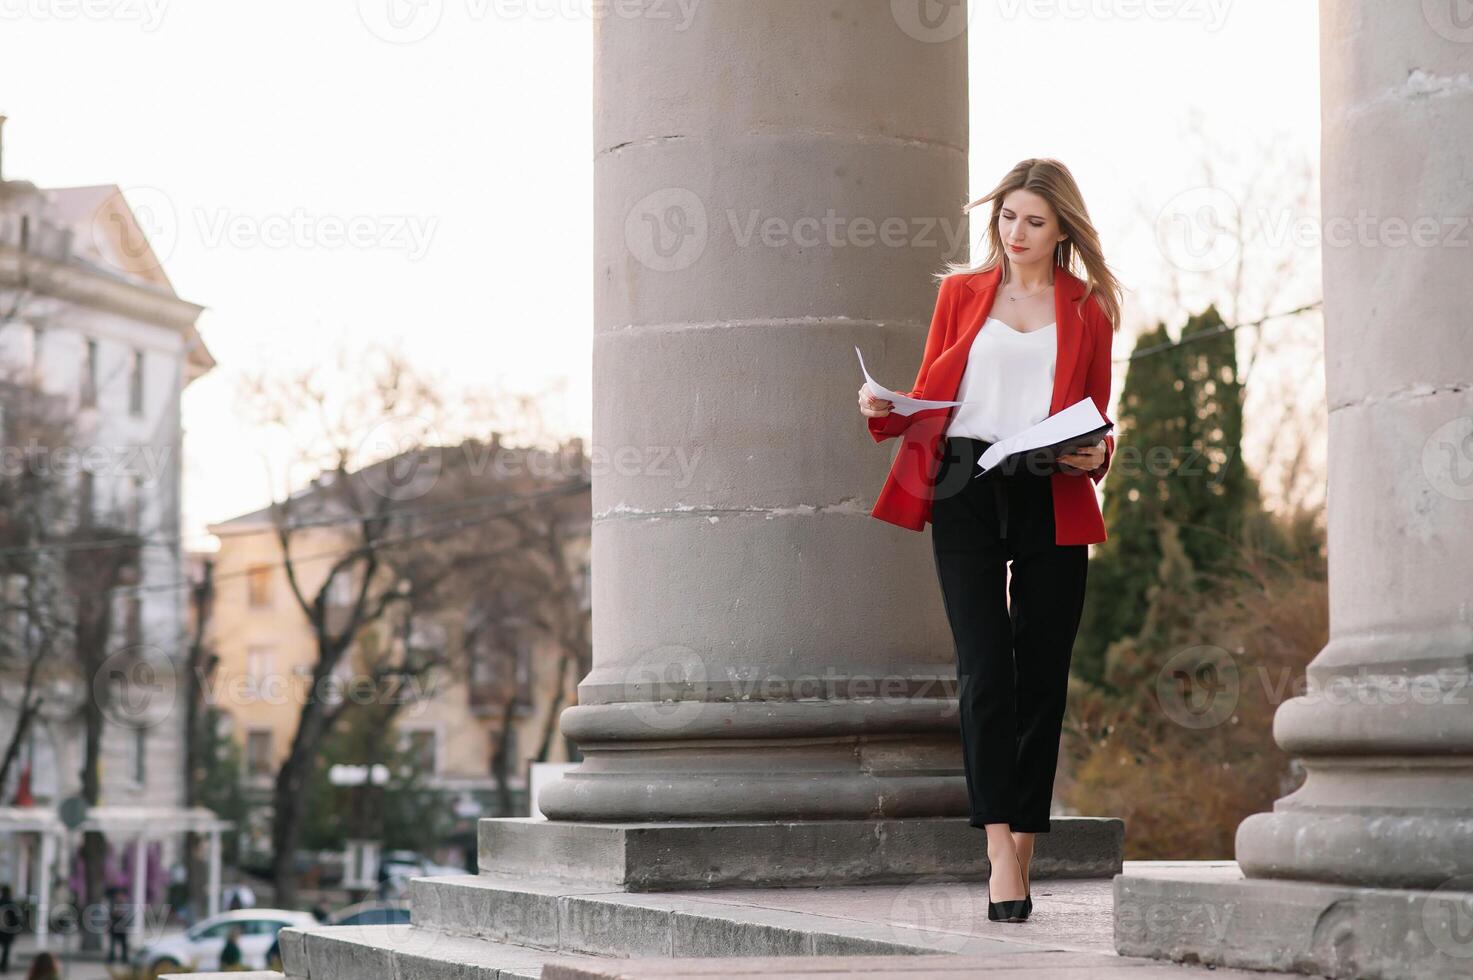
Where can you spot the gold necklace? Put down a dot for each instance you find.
(1015, 299)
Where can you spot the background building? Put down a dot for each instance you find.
(92, 331)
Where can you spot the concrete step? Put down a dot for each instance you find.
(403, 952)
(229, 975)
(566, 917)
(680, 855)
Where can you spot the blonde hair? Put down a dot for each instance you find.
(1053, 182)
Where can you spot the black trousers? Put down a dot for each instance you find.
(1014, 640)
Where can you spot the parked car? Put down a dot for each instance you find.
(372, 914)
(362, 914)
(412, 864)
(198, 948)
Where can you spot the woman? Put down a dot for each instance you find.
(1016, 339)
(44, 967)
(230, 957)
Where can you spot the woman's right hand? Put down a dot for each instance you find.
(872, 407)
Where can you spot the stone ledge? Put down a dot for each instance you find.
(1294, 926)
(1042, 965)
(659, 856)
(406, 952)
(570, 918)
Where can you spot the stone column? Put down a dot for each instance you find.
(774, 184)
(1386, 728)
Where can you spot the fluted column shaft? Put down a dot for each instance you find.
(774, 183)
(1386, 727)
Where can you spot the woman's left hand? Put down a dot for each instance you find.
(1085, 459)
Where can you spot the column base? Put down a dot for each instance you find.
(1296, 926)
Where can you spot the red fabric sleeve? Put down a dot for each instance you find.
(937, 338)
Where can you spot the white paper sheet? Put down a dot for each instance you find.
(901, 404)
(1077, 419)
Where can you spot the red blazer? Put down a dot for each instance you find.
(1082, 368)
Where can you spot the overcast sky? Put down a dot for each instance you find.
(461, 138)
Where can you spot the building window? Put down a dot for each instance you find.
(258, 753)
(140, 756)
(89, 376)
(260, 662)
(258, 584)
(135, 384)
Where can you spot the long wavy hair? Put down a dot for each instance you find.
(1079, 253)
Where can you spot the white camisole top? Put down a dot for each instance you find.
(1008, 382)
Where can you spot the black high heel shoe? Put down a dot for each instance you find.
(1013, 910)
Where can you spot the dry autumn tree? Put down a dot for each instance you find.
(423, 535)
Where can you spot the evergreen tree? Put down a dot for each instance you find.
(218, 784)
(1178, 460)
(404, 813)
